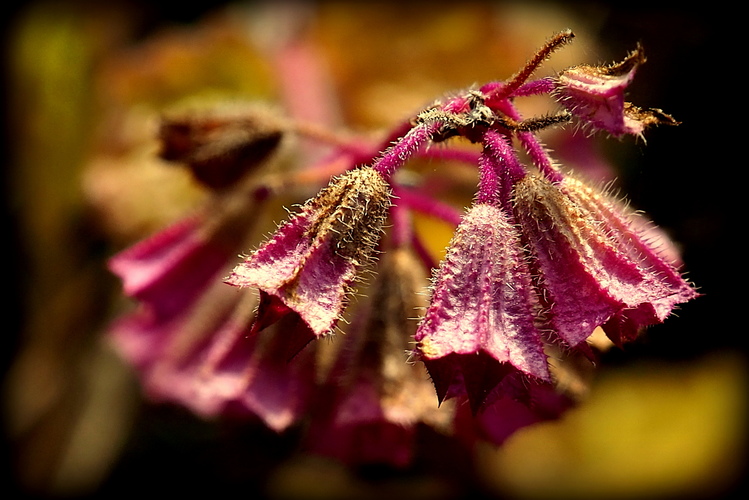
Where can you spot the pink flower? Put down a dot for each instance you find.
(191, 340)
(483, 309)
(310, 264)
(373, 399)
(595, 94)
(537, 264)
(592, 262)
(168, 273)
(267, 374)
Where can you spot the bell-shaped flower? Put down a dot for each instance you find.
(190, 337)
(169, 270)
(595, 94)
(267, 374)
(649, 247)
(311, 262)
(481, 321)
(169, 274)
(374, 399)
(592, 261)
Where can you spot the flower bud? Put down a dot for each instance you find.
(222, 144)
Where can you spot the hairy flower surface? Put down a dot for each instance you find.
(592, 262)
(483, 302)
(310, 264)
(595, 94)
(538, 270)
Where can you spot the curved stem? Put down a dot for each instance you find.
(428, 205)
(448, 153)
(539, 155)
(509, 88)
(397, 154)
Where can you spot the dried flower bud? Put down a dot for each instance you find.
(313, 259)
(222, 144)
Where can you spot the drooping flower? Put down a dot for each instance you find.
(374, 399)
(592, 263)
(481, 324)
(189, 336)
(167, 274)
(311, 262)
(482, 310)
(266, 374)
(536, 265)
(570, 269)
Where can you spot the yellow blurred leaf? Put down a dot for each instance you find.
(648, 430)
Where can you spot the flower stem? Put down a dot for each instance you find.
(428, 205)
(404, 148)
(489, 171)
(538, 154)
(498, 156)
(509, 88)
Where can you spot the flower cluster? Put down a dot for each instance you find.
(539, 265)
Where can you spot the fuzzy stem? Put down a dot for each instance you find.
(495, 95)
(539, 155)
(450, 154)
(499, 156)
(427, 205)
(536, 87)
(489, 171)
(404, 148)
(508, 89)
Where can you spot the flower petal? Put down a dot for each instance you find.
(592, 264)
(482, 302)
(595, 94)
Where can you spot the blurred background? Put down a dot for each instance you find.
(665, 418)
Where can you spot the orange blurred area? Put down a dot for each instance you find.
(85, 83)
